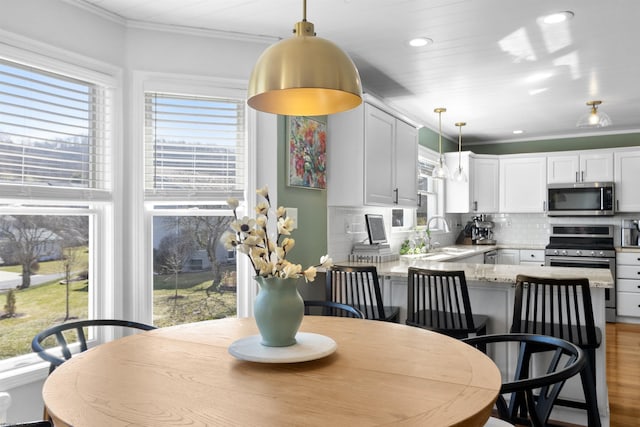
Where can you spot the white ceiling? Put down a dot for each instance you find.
(492, 63)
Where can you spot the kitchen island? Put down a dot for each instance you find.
(491, 290)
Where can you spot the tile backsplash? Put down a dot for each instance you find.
(534, 228)
(346, 226)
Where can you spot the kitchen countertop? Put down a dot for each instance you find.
(444, 258)
(633, 249)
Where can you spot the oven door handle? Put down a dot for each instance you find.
(577, 260)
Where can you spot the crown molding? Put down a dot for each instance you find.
(168, 28)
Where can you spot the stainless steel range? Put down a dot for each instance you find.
(585, 246)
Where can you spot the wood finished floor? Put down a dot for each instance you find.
(623, 374)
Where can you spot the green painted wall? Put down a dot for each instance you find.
(566, 144)
(311, 234)
(429, 139)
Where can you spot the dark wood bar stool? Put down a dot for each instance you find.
(360, 288)
(439, 301)
(561, 308)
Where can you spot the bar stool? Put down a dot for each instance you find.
(360, 288)
(439, 301)
(561, 308)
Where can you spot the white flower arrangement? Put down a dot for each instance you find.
(267, 253)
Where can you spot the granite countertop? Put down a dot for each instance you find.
(632, 249)
(445, 259)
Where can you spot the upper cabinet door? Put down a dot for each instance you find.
(563, 169)
(523, 184)
(485, 184)
(627, 177)
(596, 167)
(405, 164)
(380, 131)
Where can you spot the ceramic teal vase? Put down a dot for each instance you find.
(278, 311)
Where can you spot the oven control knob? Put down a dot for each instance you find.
(593, 253)
(564, 253)
(601, 253)
(555, 252)
(578, 252)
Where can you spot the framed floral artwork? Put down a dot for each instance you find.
(307, 152)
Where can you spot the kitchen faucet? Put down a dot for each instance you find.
(444, 220)
(446, 230)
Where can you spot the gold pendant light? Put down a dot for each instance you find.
(594, 118)
(459, 174)
(441, 171)
(304, 75)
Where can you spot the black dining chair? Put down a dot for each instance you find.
(65, 332)
(359, 287)
(439, 301)
(561, 308)
(531, 396)
(331, 308)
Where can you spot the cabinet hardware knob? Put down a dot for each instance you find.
(396, 196)
(576, 176)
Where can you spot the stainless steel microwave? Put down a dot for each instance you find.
(581, 199)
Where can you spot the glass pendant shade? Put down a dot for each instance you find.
(304, 75)
(594, 118)
(441, 171)
(458, 174)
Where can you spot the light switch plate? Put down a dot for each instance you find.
(293, 214)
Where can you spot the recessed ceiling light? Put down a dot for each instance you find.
(518, 131)
(556, 18)
(420, 41)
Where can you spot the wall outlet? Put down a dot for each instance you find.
(293, 214)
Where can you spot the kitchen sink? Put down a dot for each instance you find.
(438, 254)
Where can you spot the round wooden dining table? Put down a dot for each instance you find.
(379, 374)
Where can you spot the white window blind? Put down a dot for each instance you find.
(194, 147)
(53, 135)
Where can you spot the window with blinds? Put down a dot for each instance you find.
(194, 147)
(53, 135)
(428, 192)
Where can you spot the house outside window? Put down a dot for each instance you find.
(194, 160)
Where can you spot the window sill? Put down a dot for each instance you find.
(23, 375)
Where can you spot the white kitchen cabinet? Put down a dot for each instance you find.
(532, 257)
(628, 284)
(406, 164)
(379, 134)
(580, 167)
(523, 183)
(371, 159)
(509, 256)
(627, 177)
(480, 192)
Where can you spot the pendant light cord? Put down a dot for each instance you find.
(460, 147)
(304, 10)
(440, 134)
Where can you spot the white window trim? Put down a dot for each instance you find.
(107, 285)
(140, 303)
(434, 156)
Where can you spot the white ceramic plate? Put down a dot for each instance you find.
(308, 347)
